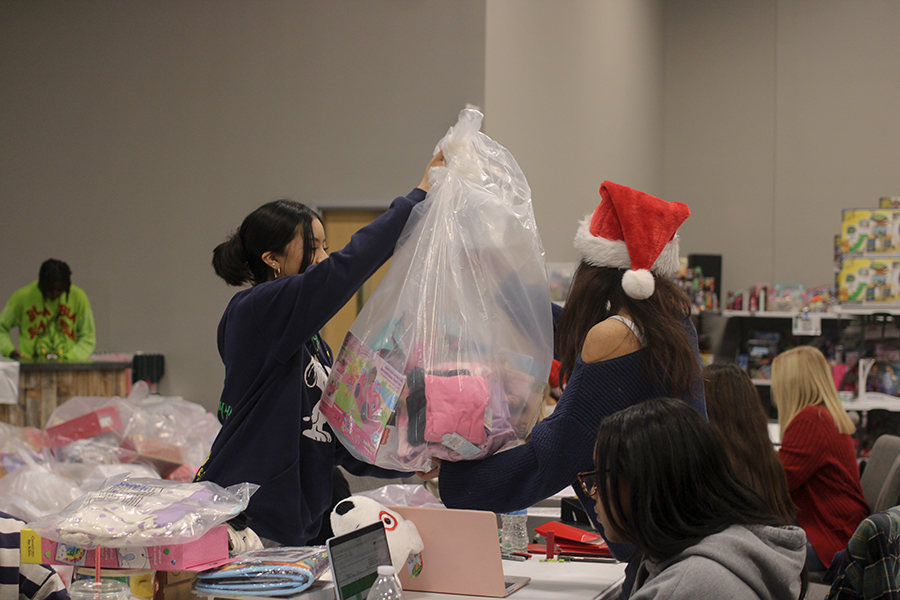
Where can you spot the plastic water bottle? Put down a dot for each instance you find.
(515, 531)
(387, 586)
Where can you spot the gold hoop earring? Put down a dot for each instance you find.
(277, 272)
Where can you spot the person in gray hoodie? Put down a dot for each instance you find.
(663, 482)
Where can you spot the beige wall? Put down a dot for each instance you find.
(766, 117)
(134, 135)
(574, 90)
(778, 115)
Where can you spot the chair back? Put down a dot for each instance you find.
(880, 479)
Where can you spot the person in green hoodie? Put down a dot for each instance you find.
(53, 316)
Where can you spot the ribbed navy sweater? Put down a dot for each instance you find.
(272, 432)
(562, 445)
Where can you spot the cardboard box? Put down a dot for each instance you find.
(869, 281)
(92, 424)
(176, 585)
(361, 396)
(865, 232)
(209, 551)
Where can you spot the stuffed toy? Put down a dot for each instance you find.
(358, 511)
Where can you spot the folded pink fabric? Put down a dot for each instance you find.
(455, 405)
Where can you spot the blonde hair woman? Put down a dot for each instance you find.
(817, 452)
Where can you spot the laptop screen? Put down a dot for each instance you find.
(355, 558)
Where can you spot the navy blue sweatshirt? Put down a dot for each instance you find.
(562, 445)
(275, 370)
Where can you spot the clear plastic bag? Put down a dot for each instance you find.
(450, 356)
(402, 494)
(170, 434)
(16, 443)
(34, 491)
(89, 429)
(283, 571)
(144, 512)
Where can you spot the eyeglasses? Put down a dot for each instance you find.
(588, 481)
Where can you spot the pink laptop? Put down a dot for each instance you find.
(462, 553)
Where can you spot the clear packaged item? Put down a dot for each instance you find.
(387, 586)
(279, 571)
(450, 356)
(144, 512)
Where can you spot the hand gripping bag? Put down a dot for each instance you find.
(450, 356)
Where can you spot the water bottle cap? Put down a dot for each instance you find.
(386, 570)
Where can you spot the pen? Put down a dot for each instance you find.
(594, 559)
(518, 557)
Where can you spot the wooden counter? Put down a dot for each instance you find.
(45, 385)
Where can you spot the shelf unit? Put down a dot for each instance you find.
(726, 335)
(838, 312)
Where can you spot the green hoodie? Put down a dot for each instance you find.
(64, 326)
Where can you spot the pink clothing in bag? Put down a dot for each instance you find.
(455, 405)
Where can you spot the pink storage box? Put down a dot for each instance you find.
(209, 551)
(165, 457)
(92, 424)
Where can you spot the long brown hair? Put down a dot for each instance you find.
(596, 294)
(736, 413)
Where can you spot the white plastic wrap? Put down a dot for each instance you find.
(89, 429)
(402, 494)
(144, 512)
(98, 475)
(169, 434)
(16, 442)
(34, 491)
(450, 356)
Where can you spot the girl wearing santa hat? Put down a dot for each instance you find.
(623, 337)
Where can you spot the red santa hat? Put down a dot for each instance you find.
(634, 231)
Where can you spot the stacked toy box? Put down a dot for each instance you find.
(870, 257)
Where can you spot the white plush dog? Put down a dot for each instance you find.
(358, 511)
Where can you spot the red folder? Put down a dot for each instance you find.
(571, 541)
(567, 533)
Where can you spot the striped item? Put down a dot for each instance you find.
(24, 582)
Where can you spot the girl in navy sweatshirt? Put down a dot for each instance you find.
(276, 363)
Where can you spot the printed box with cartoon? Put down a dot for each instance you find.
(869, 281)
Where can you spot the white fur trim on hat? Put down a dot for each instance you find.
(601, 252)
(638, 284)
(598, 251)
(668, 262)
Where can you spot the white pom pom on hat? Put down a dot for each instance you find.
(638, 284)
(635, 231)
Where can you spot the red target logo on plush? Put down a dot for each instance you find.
(390, 523)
